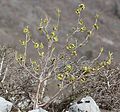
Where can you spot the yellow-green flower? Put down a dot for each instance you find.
(89, 32)
(96, 26)
(23, 43)
(74, 53)
(45, 21)
(109, 62)
(101, 50)
(36, 45)
(53, 34)
(70, 46)
(41, 45)
(36, 68)
(33, 62)
(87, 69)
(26, 29)
(82, 29)
(60, 77)
(20, 58)
(81, 22)
(77, 11)
(83, 80)
(69, 68)
(55, 39)
(82, 6)
(58, 12)
(109, 58)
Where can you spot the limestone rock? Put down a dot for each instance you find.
(5, 106)
(86, 104)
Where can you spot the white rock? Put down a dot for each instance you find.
(86, 104)
(38, 110)
(5, 106)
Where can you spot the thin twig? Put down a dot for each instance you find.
(51, 100)
(1, 64)
(6, 70)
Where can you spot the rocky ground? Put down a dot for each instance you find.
(19, 87)
(15, 14)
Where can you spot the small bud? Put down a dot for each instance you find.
(41, 45)
(58, 12)
(89, 32)
(23, 43)
(102, 49)
(81, 22)
(74, 53)
(96, 26)
(36, 45)
(26, 29)
(82, 29)
(78, 11)
(97, 16)
(55, 39)
(82, 6)
(45, 21)
(83, 80)
(60, 77)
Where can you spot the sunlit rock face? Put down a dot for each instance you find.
(86, 104)
(5, 106)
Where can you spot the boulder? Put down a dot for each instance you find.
(5, 106)
(86, 104)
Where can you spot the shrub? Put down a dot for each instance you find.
(66, 68)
